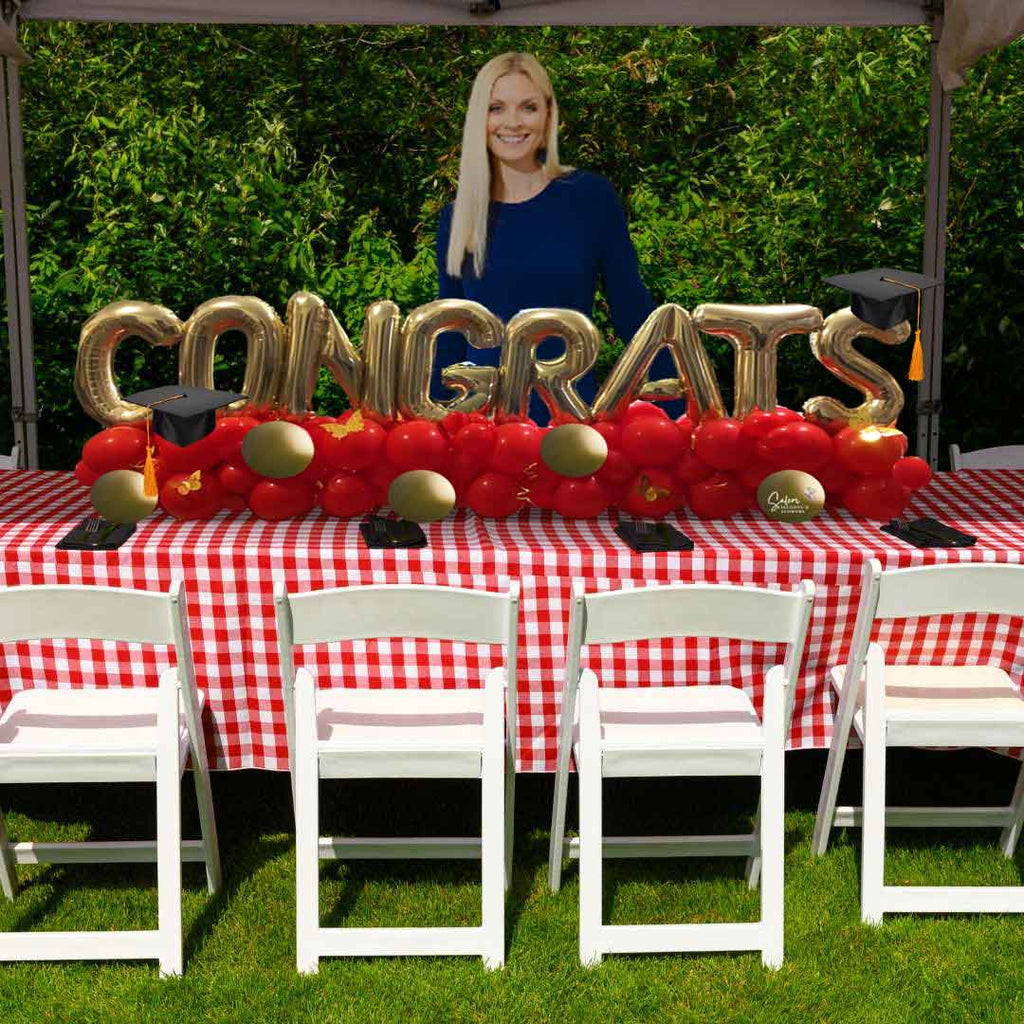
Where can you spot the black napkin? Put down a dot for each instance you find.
(929, 533)
(648, 536)
(108, 537)
(379, 532)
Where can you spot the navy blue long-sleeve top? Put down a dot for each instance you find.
(547, 252)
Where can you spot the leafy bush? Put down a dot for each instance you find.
(178, 163)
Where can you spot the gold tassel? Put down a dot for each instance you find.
(916, 371)
(149, 487)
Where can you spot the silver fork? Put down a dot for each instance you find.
(93, 524)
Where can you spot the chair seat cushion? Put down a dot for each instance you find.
(678, 716)
(368, 732)
(947, 692)
(684, 730)
(53, 726)
(975, 703)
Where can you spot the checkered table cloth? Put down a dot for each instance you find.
(228, 564)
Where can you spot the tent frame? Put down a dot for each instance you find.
(701, 13)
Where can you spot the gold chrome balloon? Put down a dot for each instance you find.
(277, 449)
(669, 325)
(573, 449)
(264, 335)
(314, 338)
(476, 386)
(552, 379)
(481, 328)
(833, 348)
(381, 350)
(421, 495)
(791, 496)
(755, 332)
(119, 497)
(95, 385)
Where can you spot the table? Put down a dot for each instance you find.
(229, 564)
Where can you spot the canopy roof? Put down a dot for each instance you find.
(510, 12)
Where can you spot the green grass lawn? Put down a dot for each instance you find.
(240, 946)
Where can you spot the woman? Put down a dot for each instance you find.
(528, 232)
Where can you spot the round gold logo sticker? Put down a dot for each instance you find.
(791, 496)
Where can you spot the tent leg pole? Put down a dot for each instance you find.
(19, 304)
(929, 390)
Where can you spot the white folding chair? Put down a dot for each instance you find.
(677, 731)
(12, 461)
(401, 733)
(923, 706)
(1007, 456)
(135, 734)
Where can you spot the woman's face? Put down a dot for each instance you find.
(517, 119)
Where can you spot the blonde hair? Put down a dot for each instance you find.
(469, 217)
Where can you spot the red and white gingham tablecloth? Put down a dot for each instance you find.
(229, 563)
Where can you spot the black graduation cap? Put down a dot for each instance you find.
(884, 297)
(183, 415)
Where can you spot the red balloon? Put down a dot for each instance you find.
(781, 416)
(476, 441)
(315, 472)
(651, 440)
(228, 435)
(180, 496)
(516, 446)
(754, 471)
(796, 446)
(345, 494)
(638, 410)
(869, 452)
(494, 494)
(237, 477)
(911, 472)
(234, 502)
(114, 448)
(835, 478)
(686, 427)
(541, 484)
(84, 475)
(381, 475)
(653, 493)
(354, 451)
(616, 470)
(757, 423)
(580, 498)
(691, 470)
(454, 422)
(611, 431)
(201, 455)
(718, 497)
(722, 444)
(875, 497)
(281, 499)
(417, 444)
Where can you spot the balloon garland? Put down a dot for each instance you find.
(478, 450)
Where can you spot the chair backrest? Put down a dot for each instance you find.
(120, 614)
(981, 587)
(390, 611)
(12, 461)
(1008, 456)
(689, 610)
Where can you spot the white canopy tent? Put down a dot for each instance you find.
(975, 26)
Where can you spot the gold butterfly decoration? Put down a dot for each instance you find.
(353, 425)
(191, 483)
(648, 491)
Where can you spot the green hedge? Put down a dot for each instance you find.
(178, 163)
